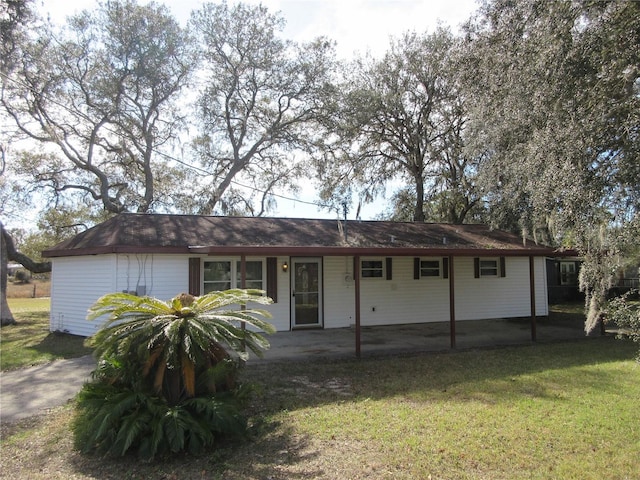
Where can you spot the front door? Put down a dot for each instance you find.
(306, 292)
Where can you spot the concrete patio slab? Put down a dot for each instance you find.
(423, 337)
(31, 391)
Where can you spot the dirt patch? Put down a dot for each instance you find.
(336, 385)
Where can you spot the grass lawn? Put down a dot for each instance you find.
(30, 342)
(548, 411)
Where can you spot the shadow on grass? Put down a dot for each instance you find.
(63, 345)
(291, 386)
(276, 449)
(30, 342)
(279, 447)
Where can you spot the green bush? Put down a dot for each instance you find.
(22, 276)
(166, 379)
(624, 311)
(113, 420)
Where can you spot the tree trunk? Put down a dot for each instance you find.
(6, 317)
(418, 211)
(8, 252)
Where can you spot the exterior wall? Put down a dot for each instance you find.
(339, 292)
(76, 283)
(79, 281)
(404, 299)
(499, 297)
(160, 276)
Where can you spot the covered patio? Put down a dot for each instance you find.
(424, 337)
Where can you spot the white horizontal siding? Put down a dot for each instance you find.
(404, 299)
(339, 292)
(76, 283)
(79, 281)
(542, 295)
(280, 311)
(165, 276)
(498, 297)
(159, 276)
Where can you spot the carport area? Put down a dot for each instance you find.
(423, 337)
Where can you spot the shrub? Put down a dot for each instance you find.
(625, 313)
(166, 374)
(22, 276)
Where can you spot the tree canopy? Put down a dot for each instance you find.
(260, 102)
(402, 117)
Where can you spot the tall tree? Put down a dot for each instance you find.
(556, 89)
(261, 101)
(99, 97)
(102, 94)
(14, 16)
(401, 117)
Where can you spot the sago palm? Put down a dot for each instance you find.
(173, 344)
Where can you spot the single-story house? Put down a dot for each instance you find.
(319, 273)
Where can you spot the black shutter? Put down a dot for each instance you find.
(503, 267)
(272, 278)
(416, 268)
(445, 267)
(388, 267)
(194, 276)
(476, 267)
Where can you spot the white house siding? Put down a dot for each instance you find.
(165, 276)
(339, 292)
(541, 285)
(404, 299)
(280, 311)
(159, 276)
(498, 297)
(76, 283)
(79, 281)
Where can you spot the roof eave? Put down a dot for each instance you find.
(300, 251)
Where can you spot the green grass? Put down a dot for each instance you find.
(547, 411)
(30, 342)
(553, 411)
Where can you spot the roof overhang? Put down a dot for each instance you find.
(302, 251)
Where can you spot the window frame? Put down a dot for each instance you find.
(234, 273)
(437, 270)
(483, 270)
(568, 278)
(380, 269)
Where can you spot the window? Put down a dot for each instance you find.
(429, 268)
(488, 268)
(224, 275)
(372, 269)
(253, 275)
(217, 276)
(568, 273)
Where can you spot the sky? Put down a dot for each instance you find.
(357, 26)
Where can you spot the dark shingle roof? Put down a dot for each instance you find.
(159, 233)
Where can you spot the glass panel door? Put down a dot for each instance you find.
(306, 283)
